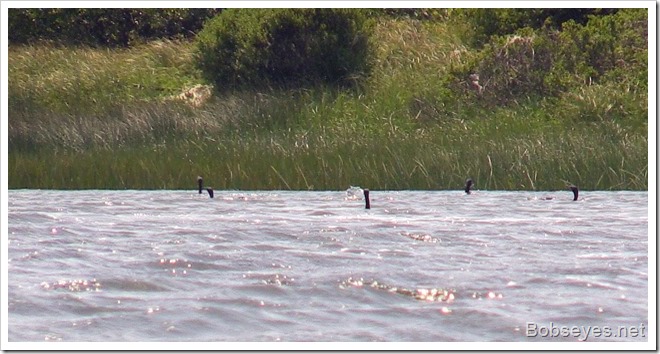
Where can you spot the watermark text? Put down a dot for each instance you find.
(584, 333)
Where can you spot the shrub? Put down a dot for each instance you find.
(499, 22)
(284, 47)
(547, 62)
(607, 48)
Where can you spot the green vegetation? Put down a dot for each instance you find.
(545, 110)
(261, 48)
(104, 27)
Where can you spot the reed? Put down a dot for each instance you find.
(423, 160)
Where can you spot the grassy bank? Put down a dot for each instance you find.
(95, 118)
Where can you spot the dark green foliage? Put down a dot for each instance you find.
(548, 62)
(284, 47)
(488, 22)
(608, 47)
(112, 27)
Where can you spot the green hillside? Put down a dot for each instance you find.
(451, 94)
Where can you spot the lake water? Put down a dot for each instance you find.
(279, 266)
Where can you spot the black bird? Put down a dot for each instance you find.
(575, 192)
(200, 184)
(366, 199)
(468, 185)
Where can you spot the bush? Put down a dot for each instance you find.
(107, 27)
(486, 23)
(547, 62)
(284, 47)
(607, 48)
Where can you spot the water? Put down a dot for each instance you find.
(170, 266)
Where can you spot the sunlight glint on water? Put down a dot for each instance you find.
(317, 266)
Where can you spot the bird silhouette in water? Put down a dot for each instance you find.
(468, 185)
(572, 187)
(200, 183)
(366, 199)
(575, 191)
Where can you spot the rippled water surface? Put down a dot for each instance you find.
(317, 266)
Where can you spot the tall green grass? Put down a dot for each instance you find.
(91, 118)
(496, 158)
